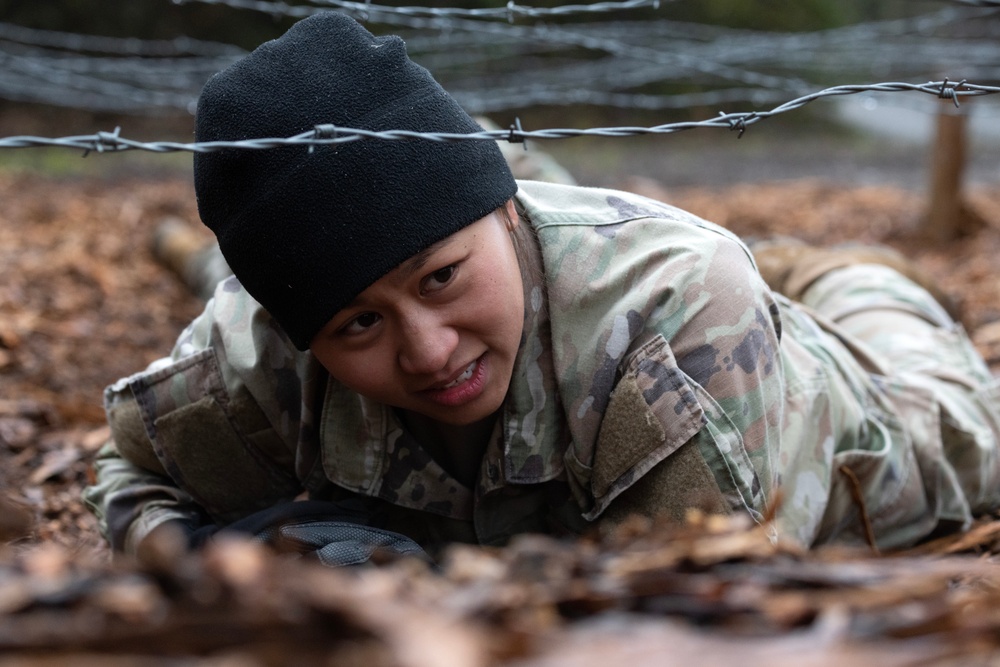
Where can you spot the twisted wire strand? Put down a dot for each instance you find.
(366, 9)
(706, 64)
(329, 134)
(128, 46)
(680, 63)
(508, 12)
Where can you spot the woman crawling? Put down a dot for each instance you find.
(416, 349)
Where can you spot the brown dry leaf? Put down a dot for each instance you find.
(15, 520)
(95, 439)
(16, 433)
(631, 640)
(55, 463)
(982, 535)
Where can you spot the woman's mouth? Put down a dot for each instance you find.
(465, 388)
(463, 377)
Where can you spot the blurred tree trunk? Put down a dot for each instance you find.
(948, 215)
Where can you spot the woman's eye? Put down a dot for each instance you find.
(361, 323)
(439, 278)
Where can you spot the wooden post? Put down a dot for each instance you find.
(948, 216)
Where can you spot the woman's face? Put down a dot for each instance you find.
(438, 334)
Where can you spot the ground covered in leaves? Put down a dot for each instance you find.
(82, 302)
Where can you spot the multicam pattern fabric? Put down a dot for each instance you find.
(634, 308)
(910, 418)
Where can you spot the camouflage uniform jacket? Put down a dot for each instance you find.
(650, 378)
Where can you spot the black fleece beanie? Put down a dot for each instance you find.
(306, 231)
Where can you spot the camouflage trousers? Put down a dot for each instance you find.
(941, 456)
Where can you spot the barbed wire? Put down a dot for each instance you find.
(652, 64)
(630, 64)
(488, 103)
(26, 79)
(106, 84)
(129, 46)
(862, 47)
(445, 21)
(325, 134)
(681, 63)
(508, 12)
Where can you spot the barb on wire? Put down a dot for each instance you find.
(950, 92)
(366, 9)
(739, 124)
(105, 141)
(515, 133)
(328, 134)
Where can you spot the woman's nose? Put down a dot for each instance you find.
(427, 344)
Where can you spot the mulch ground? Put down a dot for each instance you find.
(82, 303)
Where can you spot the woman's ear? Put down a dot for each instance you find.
(512, 220)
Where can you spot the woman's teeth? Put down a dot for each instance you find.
(463, 377)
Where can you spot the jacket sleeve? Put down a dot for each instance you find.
(208, 434)
(130, 501)
(132, 496)
(700, 402)
(668, 342)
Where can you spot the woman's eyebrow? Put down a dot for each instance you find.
(415, 263)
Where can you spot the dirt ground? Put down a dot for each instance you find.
(82, 303)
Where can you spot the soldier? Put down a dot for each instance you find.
(417, 349)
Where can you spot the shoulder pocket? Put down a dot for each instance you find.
(651, 413)
(209, 442)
